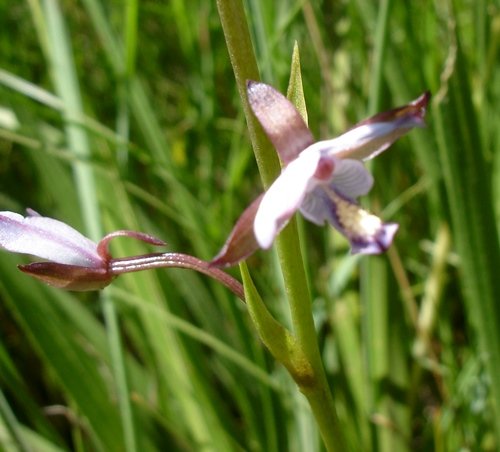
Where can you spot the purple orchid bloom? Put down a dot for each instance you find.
(320, 179)
(74, 262)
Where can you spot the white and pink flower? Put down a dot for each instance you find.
(71, 260)
(320, 179)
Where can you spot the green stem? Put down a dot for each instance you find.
(314, 386)
(239, 45)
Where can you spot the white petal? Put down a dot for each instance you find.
(285, 196)
(46, 238)
(364, 142)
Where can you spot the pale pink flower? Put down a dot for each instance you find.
(320, 179)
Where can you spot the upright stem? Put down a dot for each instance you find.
(239, 45)
(315, 389)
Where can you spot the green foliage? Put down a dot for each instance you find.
(127, 116)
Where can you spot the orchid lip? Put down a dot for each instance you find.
(365, 231)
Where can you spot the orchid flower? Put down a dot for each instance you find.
(74, 262)
(320, 179)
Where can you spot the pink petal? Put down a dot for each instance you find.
(241, 242)
(280, 120)
(374, 135)
(47, 238)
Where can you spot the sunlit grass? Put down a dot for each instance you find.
(134, 122)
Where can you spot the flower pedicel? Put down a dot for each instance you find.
(74, 262)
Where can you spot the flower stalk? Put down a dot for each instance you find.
(152, 261)
(234, 24)
(74, 262)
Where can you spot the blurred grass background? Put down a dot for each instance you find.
(125, 115)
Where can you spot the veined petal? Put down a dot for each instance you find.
(351, 178)
(47, 238)
(366, 232)
(316, 207)
(374, 135)
(285, 196)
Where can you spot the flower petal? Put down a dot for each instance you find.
(374, 135)
(69, 277)
(413, 110)
(103, 245)
(365, 231)
(285, 196)
(351, 178)
(280, 120)
(316, 207)
(241, 242)
(47, 238)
